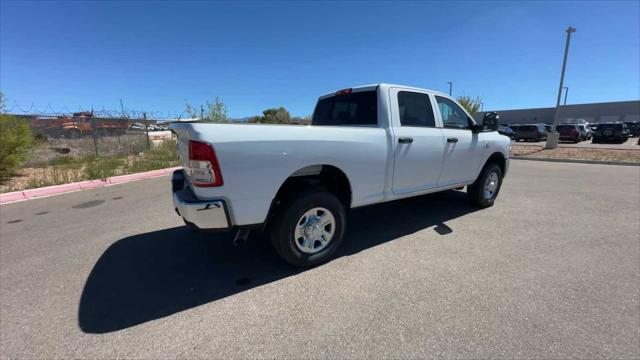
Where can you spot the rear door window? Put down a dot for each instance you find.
(353, 109)
(415, 109)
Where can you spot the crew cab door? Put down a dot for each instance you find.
(463, 149)
(418, 143)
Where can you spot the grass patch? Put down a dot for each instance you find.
(104, 167)
(160, 156)
(68, 168)
(54, 175)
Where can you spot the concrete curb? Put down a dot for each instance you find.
(564, 146)
(574, 161)
(16, 196)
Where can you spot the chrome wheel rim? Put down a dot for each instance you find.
(314, 230)
(491, 186)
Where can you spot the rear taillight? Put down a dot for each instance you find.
(204, 169)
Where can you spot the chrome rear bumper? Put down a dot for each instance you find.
(205, 214)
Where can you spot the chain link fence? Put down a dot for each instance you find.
(83, 134)
(85, 147)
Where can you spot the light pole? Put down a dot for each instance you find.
(481, 106)
(566, 93)
(450, 87)
(552, 138)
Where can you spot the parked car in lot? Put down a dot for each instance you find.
(365, 145)
(634, 128)
(585, 132)
(535, 132)
(569, 132)
(547, 128)
(617, 132)
(506, 131)
(137, 126)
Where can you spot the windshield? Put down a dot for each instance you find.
(359, 108)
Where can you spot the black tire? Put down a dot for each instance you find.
(475, 191)
(290, 212)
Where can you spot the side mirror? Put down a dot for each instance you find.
(489, 123)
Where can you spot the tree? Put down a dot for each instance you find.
(273, 116)
(470, 104)
(2, 102)
(215, 111)
(15, 143)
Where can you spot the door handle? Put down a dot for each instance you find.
(452, 140)
(405, 140)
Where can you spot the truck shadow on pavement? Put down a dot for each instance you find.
(153, 275)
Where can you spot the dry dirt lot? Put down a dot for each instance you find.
(583, 153)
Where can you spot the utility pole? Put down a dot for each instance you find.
(121, 109)
(566, 93)
(94, 132)
(450, 87)
(201, 112)
(146, 130)
(552, 140)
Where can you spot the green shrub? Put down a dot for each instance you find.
(161, 156)
(15, 143)
(104, 167)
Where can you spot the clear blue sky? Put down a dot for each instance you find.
(256, 55)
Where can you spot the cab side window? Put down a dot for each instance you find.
(452, 115)
(415, 109)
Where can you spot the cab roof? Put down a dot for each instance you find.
(384, 86)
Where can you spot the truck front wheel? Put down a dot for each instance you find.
(308, 227)
(484, 190)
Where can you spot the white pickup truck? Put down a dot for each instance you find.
(365, 145)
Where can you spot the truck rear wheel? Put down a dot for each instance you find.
(308, 227)
(484, 190)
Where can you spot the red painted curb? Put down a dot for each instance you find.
(15, 196)
(12, 197)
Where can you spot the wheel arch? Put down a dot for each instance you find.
(499, 159)
(330, 177)
(327, 176)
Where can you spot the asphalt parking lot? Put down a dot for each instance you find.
(551, 271)
(632, 143)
